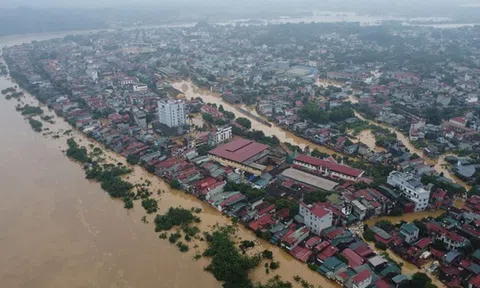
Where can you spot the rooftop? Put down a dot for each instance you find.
(238, 150)
(343, 169)
(309, 179)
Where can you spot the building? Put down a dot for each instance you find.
(92, 74)
(460, 121)
(411, 187)
(309, 179)
(140, 118)
(362, 279)
(140, 87)
(453, 241)
(316, 217)
(409, 232)
(220, 135)
(328, 166)
(294, 237)
(171, 113)
(241, 154)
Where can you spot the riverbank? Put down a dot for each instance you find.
(289, 267)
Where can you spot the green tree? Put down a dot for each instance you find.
(175, 184)
(244, 122)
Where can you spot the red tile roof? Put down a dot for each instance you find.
(300, 253)
(327, 253)
(423, 243)
(261, 222)
(362, 276)
(239, 150)
(343, 169)
(354, 260)
(317, 210)
(312, 241)
(475, 281)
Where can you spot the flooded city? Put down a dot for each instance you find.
(64, 230)
(106, 144)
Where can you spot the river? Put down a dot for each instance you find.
(191, 91)
(61, 230)
(439, 164)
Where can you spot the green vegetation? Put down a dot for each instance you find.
(285, 203)
(182, 247)
(247, 190)
(108, 175)
(163, 235)
(77, 153)
(35, 124)
(15, 95)
(174, 237)
(228, 264)
(30, 110)
(244, 122)
(275, 282)
(128, 203)
(8, 90)
(175, 184)
(316, 196)
(133, 159)
(267, 254)
(381, 246)
(421, 280)
(274, 265)
(368, 235)
(116, 187)
(315, 113)
(451, 188)
(246, 244)
(174, 217)
(150, 205)
(47, 118)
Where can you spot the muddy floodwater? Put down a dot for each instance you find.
(61, 230)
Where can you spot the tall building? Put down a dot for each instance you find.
(316, 217)
(411, 187)
(171, 113)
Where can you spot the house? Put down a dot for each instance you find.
(293, 237)
(381, 235)
(354, 260)
(330, 265)
(378, 262)
(409, 232)
(411, 188)
(452, 240)
(316, 217)
(460, 121)
(362, 279)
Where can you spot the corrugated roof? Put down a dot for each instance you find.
(239, 150)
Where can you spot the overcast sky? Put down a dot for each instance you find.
(159, 3)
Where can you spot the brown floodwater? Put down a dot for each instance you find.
(191, 91)
(439, 164)
(63, 230)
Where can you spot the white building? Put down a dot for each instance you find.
(411, 187)
(316, 217)
(220, 135)
(171, 113)
(140, 87)
(92, 74)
